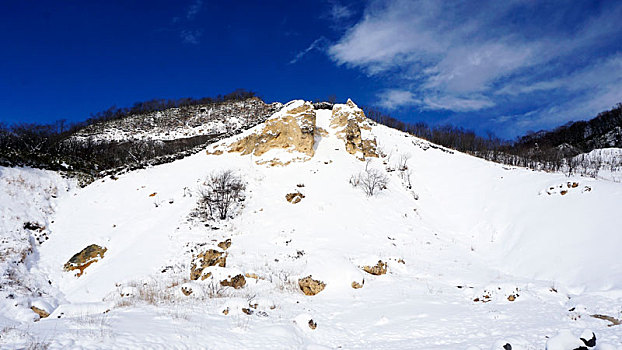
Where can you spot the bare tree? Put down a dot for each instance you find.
(370, 181)
(220, 192)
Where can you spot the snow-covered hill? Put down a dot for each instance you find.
(603, 163)
(477, 255)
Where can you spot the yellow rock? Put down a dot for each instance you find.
(293, 130)
(85, 258)
(379, 269)
(309, 286)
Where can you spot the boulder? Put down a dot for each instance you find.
(186, 290)
(294, 197)
(309, 286)
(357, 285)
(224, 245)
(236, 282)
(85, 258)
(312, 324)
(206, 259)
(42, 313)
(379, 269)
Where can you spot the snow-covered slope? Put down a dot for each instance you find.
(28, 200)
(478, 254)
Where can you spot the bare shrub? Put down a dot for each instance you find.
(220, 193)
(405, 176)
(370, 181)
(402, 164)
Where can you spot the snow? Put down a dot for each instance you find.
(602, 163)
(478, 230)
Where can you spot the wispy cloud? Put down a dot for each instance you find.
(316, 44)
(394, 98)
(194, 9)
(465, 56)
(182, 23)
(190, 36)
(339, 12)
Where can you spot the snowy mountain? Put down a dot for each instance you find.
(340, 233)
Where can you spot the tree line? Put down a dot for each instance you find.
(549, 151)
(157, 105)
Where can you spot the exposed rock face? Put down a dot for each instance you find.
(236, 282)
(85, 258)
(209, 258)
(186, 290)
(294, 197)
(379, 269)
(309, 286)
(350, 120)
(291, 129)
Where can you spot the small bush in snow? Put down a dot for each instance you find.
(402, 164)
(220, 193)
(370, 181)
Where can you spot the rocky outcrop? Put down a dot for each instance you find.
(309, 286)
(379, 269)
(350, 120)
(291, 129)
(236, 282)
(209, 258)
(85, 258)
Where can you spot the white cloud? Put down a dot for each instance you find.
(470, 56)
(394, 98)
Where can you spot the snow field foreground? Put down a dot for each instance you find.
(478, 255)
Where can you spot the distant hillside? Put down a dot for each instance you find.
(604, 131)
(116, 140)
(575, 148)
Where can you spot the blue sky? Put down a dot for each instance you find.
(501, 66)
